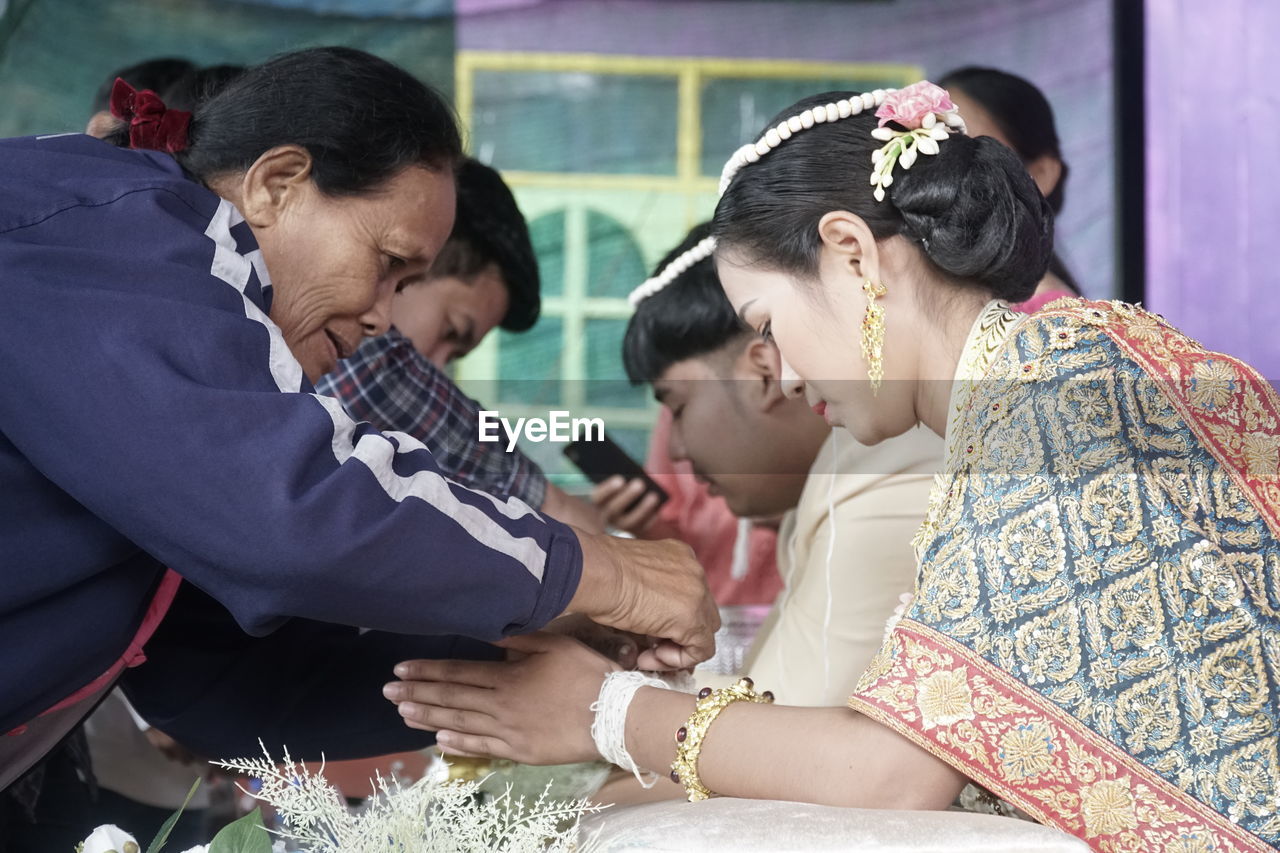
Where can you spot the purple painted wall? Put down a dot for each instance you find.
(1064, 46)
(1213, 173)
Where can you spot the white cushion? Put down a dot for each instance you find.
(732, 826)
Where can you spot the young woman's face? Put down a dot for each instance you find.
(816, 326)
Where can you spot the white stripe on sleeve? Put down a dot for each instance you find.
(377, 452)
(235, 269)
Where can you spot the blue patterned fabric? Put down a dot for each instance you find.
(1098, 551)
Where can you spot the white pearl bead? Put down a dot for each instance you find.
(795, 124)
(806, 119)
(752, 156)
(868, 100)
(772, 138)
(762, 148)
(832, 112)
(880, 95)
(844, 109)
(784, 131)
(819, 115)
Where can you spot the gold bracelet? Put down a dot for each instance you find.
(689, 737)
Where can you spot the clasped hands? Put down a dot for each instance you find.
(535, 707)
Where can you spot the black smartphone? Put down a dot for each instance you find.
(603, 459)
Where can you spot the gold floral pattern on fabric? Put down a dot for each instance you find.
(944, 698)
(1042, 759)
(1095, 635)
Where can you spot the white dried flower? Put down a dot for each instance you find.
(428, 816)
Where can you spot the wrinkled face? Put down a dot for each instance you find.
(336, 261)
(446, 317)
(757, 460)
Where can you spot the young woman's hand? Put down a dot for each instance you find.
(534, 708)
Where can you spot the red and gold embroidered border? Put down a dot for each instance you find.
(1232, 410)
(1010, 739)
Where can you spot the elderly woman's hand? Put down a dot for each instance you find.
(655, 589)
(534, 708)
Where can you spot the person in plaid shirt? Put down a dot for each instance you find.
(486, 276)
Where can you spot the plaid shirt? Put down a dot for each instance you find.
(394, 387)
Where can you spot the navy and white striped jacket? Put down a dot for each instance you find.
(154, 417)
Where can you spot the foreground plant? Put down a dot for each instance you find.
(427, 816)
(431, 815)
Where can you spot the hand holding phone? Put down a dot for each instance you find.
(627, 505)
(625, 494)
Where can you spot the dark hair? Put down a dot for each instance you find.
(689, 318)
(154, 74)
(489, 228)
(361, 118)
(1022, 113)
(972, 209)
(1024, 117)
(190, 91)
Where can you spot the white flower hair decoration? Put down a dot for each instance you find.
(924, 111)
(926, 115)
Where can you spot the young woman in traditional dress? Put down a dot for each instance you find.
(1095, 625)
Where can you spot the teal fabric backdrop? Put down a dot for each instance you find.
(55, 53)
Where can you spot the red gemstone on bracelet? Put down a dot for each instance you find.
(704, 693)
(681, 734)
(675, 777)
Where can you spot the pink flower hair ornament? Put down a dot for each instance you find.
(926, 115)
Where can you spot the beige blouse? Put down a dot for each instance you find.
(845, 557)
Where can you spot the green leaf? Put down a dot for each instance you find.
(247, 835)
(167, 827)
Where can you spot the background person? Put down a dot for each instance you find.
(1014, 111)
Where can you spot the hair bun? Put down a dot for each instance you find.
(978, 215)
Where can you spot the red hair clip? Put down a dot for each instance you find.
(152, 125)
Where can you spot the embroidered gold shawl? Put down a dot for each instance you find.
(1096, 630)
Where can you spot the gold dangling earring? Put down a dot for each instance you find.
(873, 334)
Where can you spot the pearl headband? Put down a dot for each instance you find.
(923, 109)
(700, 251)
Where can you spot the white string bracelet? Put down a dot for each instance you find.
(609, 730)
